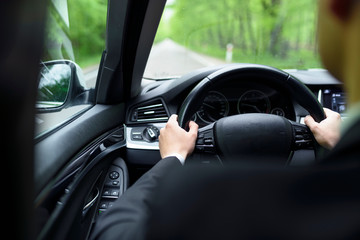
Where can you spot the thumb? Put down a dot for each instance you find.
(193, 127)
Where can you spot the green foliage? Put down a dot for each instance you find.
(281, 33)
(276, 32)
(84, 40)
(87, 28)
(54, 92)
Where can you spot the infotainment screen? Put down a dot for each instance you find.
(335, 100)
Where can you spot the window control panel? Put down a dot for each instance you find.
(114, 186)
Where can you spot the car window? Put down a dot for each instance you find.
(75, 33)
(195, 33)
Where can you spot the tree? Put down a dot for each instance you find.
(265, 31)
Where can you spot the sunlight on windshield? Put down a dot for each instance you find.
(195, 33)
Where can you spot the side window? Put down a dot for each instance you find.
(74, 42)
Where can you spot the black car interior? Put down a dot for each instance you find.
(82, 167)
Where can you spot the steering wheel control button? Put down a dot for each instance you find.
(302, 136)
(200, 141)
(114, 175)
(151, 134)
(205, 141)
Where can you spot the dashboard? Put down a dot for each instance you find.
(335, 99)
(149, 112)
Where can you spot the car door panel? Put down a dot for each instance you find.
(70, 171)
(68, 205)
(69, 140)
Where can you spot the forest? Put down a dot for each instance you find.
(281, 33)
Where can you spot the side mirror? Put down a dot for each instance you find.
(61, 85)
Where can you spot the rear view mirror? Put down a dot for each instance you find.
(61, 85)
(54, 82)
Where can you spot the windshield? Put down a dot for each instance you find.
(194, 33)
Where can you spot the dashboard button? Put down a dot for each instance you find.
(151, 134)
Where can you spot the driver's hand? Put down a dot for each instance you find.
(327, 132)
(174, 139)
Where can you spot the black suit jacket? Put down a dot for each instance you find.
(347, 151)
(128, 217)
(172, 202)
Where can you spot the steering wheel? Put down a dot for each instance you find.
(254, 134)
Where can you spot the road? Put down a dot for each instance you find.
(90, 75)
(167, 58)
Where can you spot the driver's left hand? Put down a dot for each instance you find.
(174, 139)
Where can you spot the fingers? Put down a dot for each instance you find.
(330, 113)
(327, 132)
(173, 119)
(327, 112)
(310, 122)
(174, 139)
(193, 127)
(172, 122)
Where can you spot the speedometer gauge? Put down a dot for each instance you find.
(254, 101)
(214, 107)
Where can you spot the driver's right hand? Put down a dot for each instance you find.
(327, 132)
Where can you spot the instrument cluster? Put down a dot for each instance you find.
(241, 99)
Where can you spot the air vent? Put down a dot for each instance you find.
(151, 112)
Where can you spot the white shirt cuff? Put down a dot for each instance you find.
(178, 156)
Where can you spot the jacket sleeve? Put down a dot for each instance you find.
(126, 218)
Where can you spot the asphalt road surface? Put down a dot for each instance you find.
(167, 59)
